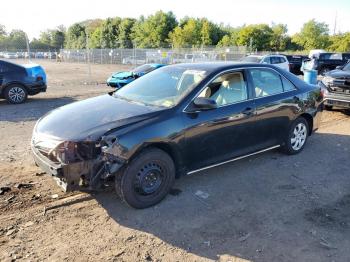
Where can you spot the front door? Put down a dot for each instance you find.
(219, 134)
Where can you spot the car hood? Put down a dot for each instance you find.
(122, 75)
(91, 118)
(340, 74)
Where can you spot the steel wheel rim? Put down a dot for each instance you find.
(149, 179)
(299, 136)
(16, 94)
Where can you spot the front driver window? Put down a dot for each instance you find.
(226, 89)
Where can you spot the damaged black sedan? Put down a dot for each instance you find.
(177, 120)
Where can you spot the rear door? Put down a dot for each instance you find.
(275, 101)
(281, 62)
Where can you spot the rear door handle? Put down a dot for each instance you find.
(248, 111)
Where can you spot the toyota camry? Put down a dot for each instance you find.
(177, 120)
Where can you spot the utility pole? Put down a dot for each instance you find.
(28, 48)
(335, 23)
(88, 56)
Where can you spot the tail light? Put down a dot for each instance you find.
(39, 78)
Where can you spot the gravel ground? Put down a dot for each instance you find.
(269, 207)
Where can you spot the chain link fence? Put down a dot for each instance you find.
(139, 56)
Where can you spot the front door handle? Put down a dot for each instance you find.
(248, 111)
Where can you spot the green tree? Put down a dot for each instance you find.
(153, 32)
(95, 38)
(2, 31)
(259, 36)
(189, 35)
(110, 32)
(17, 40)
(125, 31)
(76, 37)
(57, 38)
(225, 41)
(37, 44)
(279, 37)
(313, 35)
(340, 42)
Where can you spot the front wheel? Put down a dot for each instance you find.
(147, 179)
(297, 136)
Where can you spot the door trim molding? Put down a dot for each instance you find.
(232, 160)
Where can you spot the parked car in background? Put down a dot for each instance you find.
(336, 86)
(280, 61)
(316, 52)
(10, 55)
(179, 119)
(120, 79)
(133, 60)
(325, 62)
(19, 81)
(295, 63)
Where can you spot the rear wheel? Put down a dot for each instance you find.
(147, 179)
(16, 94)
(297, 136)
(327, 107)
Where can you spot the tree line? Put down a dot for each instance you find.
(164, 30)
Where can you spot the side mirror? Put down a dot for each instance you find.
(339, 67)
(205, 103)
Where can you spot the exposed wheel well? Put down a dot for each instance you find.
(13, 84)
(170, 151)
(309, 120)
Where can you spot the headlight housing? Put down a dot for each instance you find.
(327, 81)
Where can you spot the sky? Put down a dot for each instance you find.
(36, 16)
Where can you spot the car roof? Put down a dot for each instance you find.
(10, 63)
(220, 66)
(258, 56)
(156, 65)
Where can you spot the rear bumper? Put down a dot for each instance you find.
(34, 89)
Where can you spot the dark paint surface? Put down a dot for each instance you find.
(91, 117)
(193, 138)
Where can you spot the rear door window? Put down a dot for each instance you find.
(267, 82)
(267, 60)
(283, 60)
(275, 60)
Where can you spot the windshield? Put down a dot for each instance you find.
(164, 87)
(252, 59)
(143, 69)
(347, 67)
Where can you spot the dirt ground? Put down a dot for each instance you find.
(269, 207)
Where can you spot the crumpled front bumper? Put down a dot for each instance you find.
(68, 176)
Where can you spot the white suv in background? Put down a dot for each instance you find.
(278, 60)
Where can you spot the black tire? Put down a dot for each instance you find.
(291, 147)
(328, 108)
(153, 165)
(15, 94)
